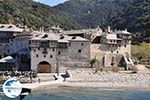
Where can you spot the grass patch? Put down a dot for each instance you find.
(142, 53)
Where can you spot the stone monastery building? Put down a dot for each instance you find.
(50, 51)
(57, 50)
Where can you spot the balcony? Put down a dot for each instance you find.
(4, 40)
(44, 45)
(53, 45)
(62, 45)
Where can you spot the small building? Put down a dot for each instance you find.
(85, 33)
(114, 48)
(7, 64)
(51, 52)
(12, 40)
(109, 46)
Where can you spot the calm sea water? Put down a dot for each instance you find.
(88, 94)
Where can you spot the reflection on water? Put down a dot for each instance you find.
(3, 97)
(87, 94)
(90, 94)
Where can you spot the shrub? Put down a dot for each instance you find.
(93, 62)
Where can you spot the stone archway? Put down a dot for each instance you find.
(44, 67)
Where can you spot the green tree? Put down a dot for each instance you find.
(93, 62)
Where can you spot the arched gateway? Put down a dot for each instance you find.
(44, 67)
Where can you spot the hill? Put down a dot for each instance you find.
(135, 17)
(33, 14)
(91, 13)
(120, 14)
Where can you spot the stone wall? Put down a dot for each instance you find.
(105, 56)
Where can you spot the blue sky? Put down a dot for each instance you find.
(51, 2)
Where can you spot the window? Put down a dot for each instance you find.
(82, 44)
(125, 46)
(30, 42)
(111, 51)
(117, 51)
(44, 56)
(37, 55)
(69, 44)
(51, 56)
(53, 49)
(38, 48)
(10, 26)
(79, 51)
(34, 50)
(59, 52)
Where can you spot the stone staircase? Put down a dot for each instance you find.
(129, 62)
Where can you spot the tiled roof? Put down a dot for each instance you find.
(10, 28)
(82, 31)
(58, 37)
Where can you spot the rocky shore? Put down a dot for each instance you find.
(87, 77)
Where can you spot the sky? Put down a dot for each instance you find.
(51, 2)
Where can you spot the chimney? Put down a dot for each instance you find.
(109, 29)
(42, 29)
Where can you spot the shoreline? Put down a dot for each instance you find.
(85, 78)
(87, 85)
(104, 85)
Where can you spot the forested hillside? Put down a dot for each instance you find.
(33, 14)
(120, 14)
(91, 13)
(135, 17)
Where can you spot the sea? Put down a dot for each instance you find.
(69, 93)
